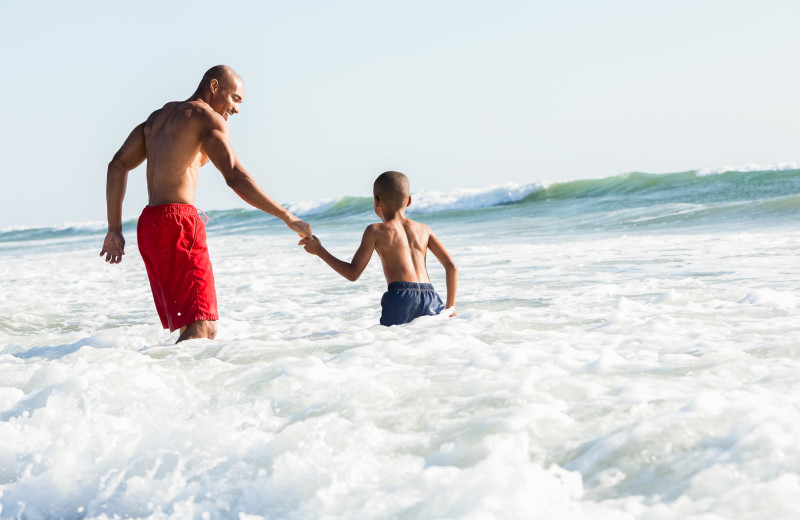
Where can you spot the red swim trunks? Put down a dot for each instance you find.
(172, 241)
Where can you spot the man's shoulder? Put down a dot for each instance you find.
(172, 109)
(200, 111)
(193, 111)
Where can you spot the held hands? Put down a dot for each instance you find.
(312, 244)
(113, 247)
(298, 226)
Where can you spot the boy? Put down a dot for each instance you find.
(402, 245)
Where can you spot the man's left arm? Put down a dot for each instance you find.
(129, 156)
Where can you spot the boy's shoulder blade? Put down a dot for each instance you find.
(417, 226)
(383, 229)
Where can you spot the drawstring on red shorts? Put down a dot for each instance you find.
(204, 219)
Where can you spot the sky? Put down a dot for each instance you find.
(454, 93)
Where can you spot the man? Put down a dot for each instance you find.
(177, 140)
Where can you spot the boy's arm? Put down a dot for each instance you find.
(450, 270)
(350, 270)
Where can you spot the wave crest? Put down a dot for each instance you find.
(750, 191)
(752, 167)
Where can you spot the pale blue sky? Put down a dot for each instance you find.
(454, 93)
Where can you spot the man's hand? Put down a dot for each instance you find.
(312, 244)
(113, 247)
(299, 227)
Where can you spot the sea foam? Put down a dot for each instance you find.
(751, 167)
(608, 374)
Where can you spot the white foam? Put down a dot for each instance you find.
(467, 198)
(308, 208)
(751, 167)
(91, 225)
(597, 377)
(769, 298)
(431, 201)
(87, 226)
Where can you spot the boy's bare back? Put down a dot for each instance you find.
(402, 245)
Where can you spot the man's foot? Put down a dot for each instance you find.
(198, 329)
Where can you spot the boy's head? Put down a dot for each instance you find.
(392, 190)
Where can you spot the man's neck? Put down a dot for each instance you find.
(200, 96)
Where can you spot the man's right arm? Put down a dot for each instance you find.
(216, 142)
(129, 156)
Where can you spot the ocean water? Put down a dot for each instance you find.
(626, 348)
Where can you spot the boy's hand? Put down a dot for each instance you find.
(311, 244)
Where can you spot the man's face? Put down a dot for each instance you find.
(226, 96)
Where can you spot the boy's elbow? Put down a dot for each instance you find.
(352, 274)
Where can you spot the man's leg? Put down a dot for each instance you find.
(198, 329)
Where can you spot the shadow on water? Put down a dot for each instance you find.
(60, 351)
(30, 403)
(38, 399)
(49, 352)
(505, 304)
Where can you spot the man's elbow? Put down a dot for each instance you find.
(232, 182)
(236, 180)
(118, 167)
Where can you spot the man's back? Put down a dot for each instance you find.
(174, 151)
(402, 245)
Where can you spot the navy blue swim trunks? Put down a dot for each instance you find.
(404, 301)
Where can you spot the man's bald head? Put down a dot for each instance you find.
(224, 75)
(222, 88)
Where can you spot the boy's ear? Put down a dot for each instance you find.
(408, 203)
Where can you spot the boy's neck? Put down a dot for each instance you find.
(397, 214)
